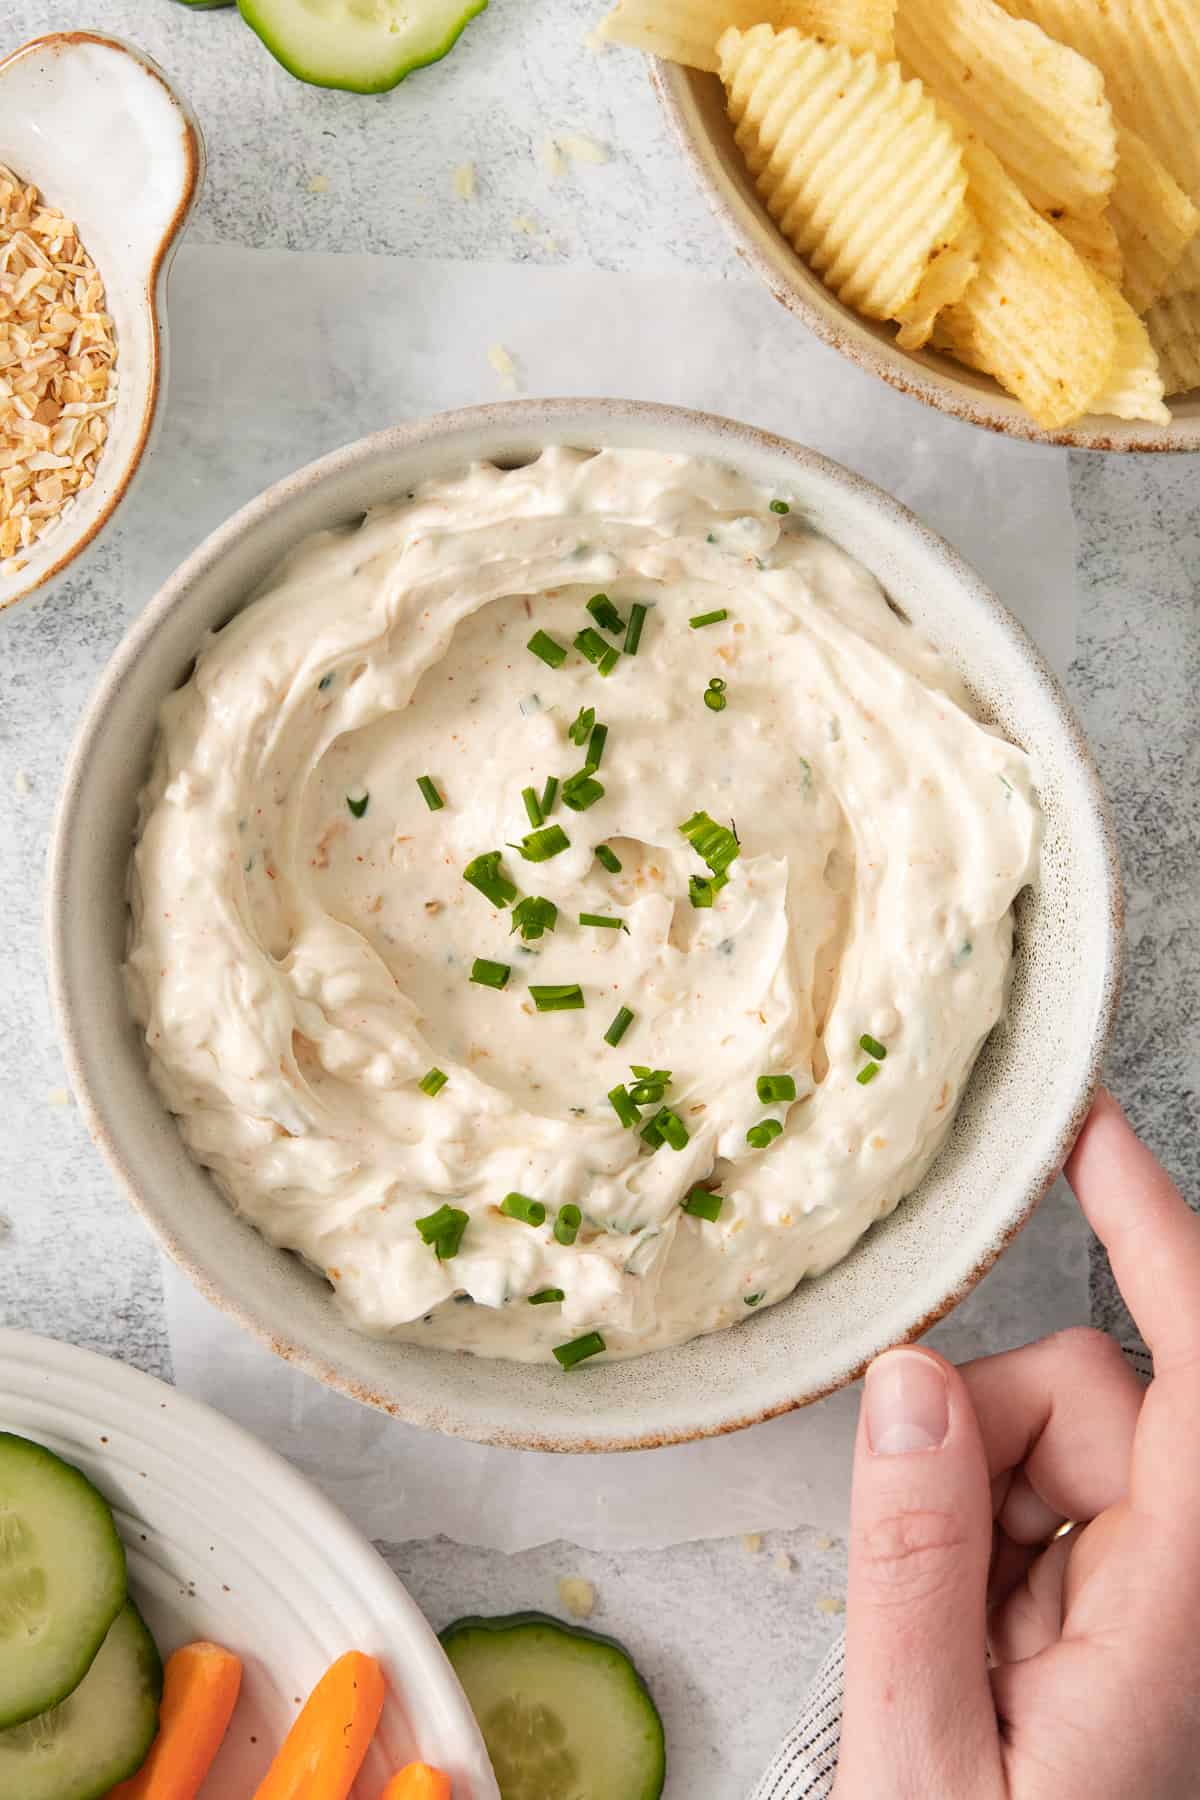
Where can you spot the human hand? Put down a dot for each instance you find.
(988, 1658)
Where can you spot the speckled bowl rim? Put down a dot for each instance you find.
(924, 376)
(556, 421)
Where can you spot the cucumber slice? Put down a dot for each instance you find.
(564, 1713)
(366, 46)
(98, 1735)
(62, 1577)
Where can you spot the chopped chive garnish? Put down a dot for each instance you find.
(702, 1203)
(608, 859)
(867, 1073)
(520, 1206)
(714, 844)
(550, 652)
(582, 790)
(566, 1226)
(605, 613)
(533, 916)
(780, 506)
(775, 1087)
(624, 1106)
(608, 662)
(533, 806)
(581, 724)
(873, 1047)
(566, 997)
(433, 799)
(645, 1074)
(619, 1027)
(650, 1134)
(751, 1299)
(489, 974)
(671, 1128)
(540, 846)
(759, 1136)
(633, 634)
(579, 1349)
(714, 695)
(433, 1081)
(605, 923)
(443, 1230)
(358, 807)
(596, 743)
(647, 1093)
(325, 682)
(549, 795)
(483, 872)
(589, 643)
(703, 889)
(712, 618)
(546, 1297)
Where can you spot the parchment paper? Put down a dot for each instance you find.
(277, 358)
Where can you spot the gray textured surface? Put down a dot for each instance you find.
(726, 1638)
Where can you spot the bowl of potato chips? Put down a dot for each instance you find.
(994, 205)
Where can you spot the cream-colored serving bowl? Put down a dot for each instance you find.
(1024, 1104)
(695, 106)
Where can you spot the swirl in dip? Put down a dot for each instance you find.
(303, 936)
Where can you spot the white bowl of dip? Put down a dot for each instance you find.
(1022, 1106)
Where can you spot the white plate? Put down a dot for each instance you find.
(226, 1541)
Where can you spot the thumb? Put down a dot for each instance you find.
(918, 1720)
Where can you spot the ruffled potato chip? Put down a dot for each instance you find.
(1133, 388)
(946, 280)
(860, 172)
(1185, 276)
(1155, 222)
(1174, 327)
(858, 25)
(1095, 240)
(686, 31)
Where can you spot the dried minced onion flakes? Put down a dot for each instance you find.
(57, 367)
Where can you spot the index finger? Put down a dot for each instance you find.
(1151, 1234)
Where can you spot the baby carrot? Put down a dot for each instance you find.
(324, 1750)
(200, 1690)
(417, 1782)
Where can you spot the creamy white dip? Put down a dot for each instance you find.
(303, 936)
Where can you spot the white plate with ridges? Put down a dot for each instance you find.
(226, 1541)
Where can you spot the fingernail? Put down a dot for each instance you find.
(907, 1405)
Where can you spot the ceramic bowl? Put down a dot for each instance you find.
(695, 106)
(98, 128)
(1026, 1100)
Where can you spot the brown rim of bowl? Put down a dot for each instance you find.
(853, 337)
(194, 161)
(537, 419)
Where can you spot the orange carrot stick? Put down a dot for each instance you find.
(417, 1782)
(200, 1690)
(324, 1750)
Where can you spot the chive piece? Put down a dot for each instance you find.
(582, 790)
(714, 696)
(712, 618)
(601, 920)
(624, 1107)
(702, 1203)
(633, 636)
(608, 859)
(567, 997)
(543, 645)
(647, 1093)
(619, 1026)
(533, 916)
(546, 1297)
(650, 1134)
(358, 807)
(751, 1299)
(549, 795)
(775, 1087)
(520, 1206)
(579, 1349)
(489, 974)
(669, 1127)
(608, 662)
(325, 681)
(443, 1230)
(867, 1074)
(605, 613)
(566, 1226)
(703, 889)
(589, 643)
(540, 846)
(533, 806)
(759, 1136)
(483, 872)
(433, 799)
(433, 1081)
(873, 1047)
(645, 1074)
(581, 724)
(780, 506)
(596, 743)
(714, 844)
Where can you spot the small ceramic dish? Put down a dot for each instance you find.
(97, 127)
(1024, 1104)
(695, 106)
